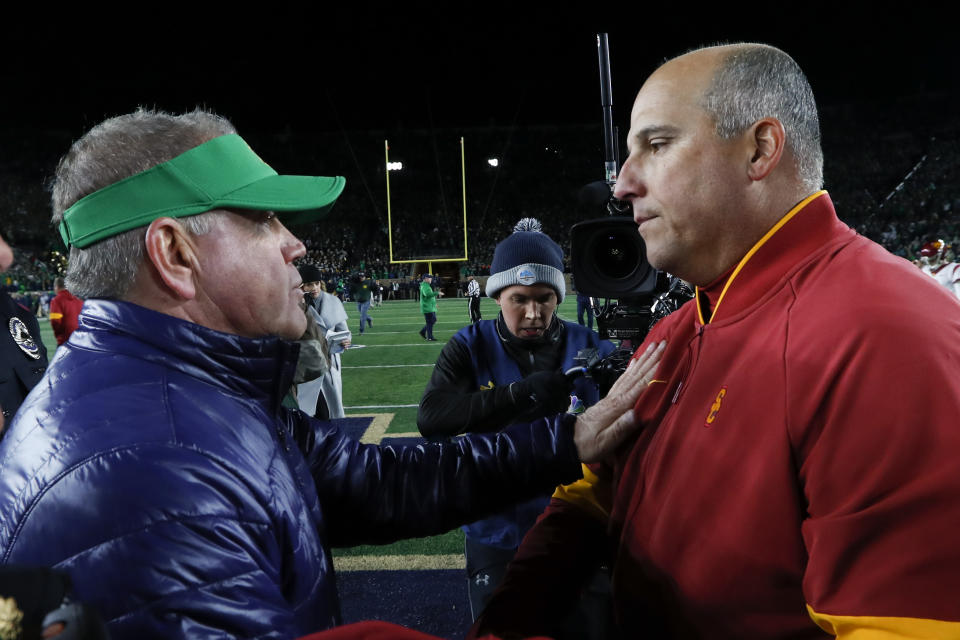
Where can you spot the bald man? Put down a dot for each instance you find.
(795, 473)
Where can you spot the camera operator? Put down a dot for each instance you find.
(498, 372)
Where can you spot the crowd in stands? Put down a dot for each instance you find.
(899, 188)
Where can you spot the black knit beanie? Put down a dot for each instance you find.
(527, 256)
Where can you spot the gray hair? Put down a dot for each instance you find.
(758, 81)
(113, 150)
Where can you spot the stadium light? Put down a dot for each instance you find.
(394, 166)
(493, 162)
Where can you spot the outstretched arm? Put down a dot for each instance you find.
(379, 494)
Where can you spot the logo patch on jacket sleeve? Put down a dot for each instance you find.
(21, 335)
(715, 408)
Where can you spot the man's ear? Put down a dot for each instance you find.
(768, 140)
(174, 256)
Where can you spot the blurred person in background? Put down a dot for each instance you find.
(473, 299)
(64, 311)
(361, 292)
(23, 356)
(323, 397)
(428, 306)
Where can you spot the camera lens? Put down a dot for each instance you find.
(609, 259)
(615, 255)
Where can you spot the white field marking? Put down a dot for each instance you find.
(387, 333)
(377, 406)
(457, 311)
(420, 322)
(425, 343)
(388, 366)
(411, 562)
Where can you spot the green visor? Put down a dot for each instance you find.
(223, 173)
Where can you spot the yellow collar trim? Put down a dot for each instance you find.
(743, 261)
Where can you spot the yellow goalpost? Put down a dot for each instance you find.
(463, 182)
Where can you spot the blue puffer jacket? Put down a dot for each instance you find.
(155, 464)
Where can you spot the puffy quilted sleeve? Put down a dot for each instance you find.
(374, 494)
(165, 542)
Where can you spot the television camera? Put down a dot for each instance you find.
(627, 295)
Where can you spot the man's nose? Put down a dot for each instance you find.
(292, 248)
(629, 183)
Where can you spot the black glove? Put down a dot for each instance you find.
(548, 391)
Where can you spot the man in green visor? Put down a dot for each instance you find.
(154, 461)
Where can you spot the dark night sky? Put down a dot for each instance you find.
(324, 69)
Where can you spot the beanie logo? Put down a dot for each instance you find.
(526, 276)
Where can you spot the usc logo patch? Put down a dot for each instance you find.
(715, 407)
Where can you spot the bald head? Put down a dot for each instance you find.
(713, 139)
(755, 81)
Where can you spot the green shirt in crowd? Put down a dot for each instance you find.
(428, 298)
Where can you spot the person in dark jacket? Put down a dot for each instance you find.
(155, 463)
(23, 357)
(361, 291)
(497, 372)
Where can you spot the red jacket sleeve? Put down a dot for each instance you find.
(57, 320)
